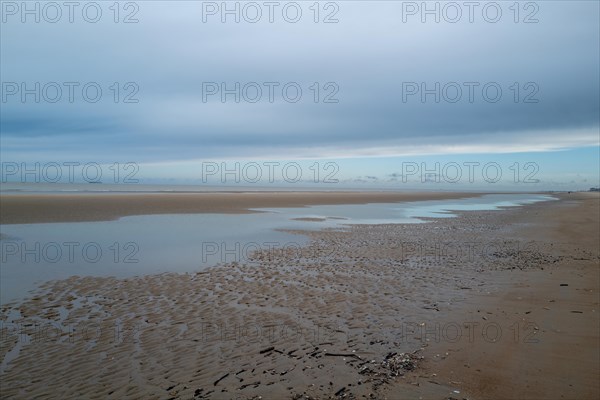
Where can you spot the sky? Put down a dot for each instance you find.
(376, 93)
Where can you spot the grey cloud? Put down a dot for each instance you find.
(369, 54)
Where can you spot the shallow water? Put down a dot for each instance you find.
(139, 245)
(409, 212)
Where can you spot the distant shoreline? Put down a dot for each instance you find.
(78, 207)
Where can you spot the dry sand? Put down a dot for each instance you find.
(368, 312)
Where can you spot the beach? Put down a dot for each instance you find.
(303, 200)
(487, 305)
(36, 208)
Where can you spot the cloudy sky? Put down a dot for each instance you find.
(374, 87)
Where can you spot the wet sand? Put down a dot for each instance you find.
(548, 311)
(39, 208)
(495, 304)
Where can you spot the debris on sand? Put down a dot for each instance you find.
(220, 379)
(268, 349)
(398, 363)
(393, 365)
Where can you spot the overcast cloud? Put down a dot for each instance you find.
(367, 57)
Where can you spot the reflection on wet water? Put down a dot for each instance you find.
(396, 213)
(34, 253)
